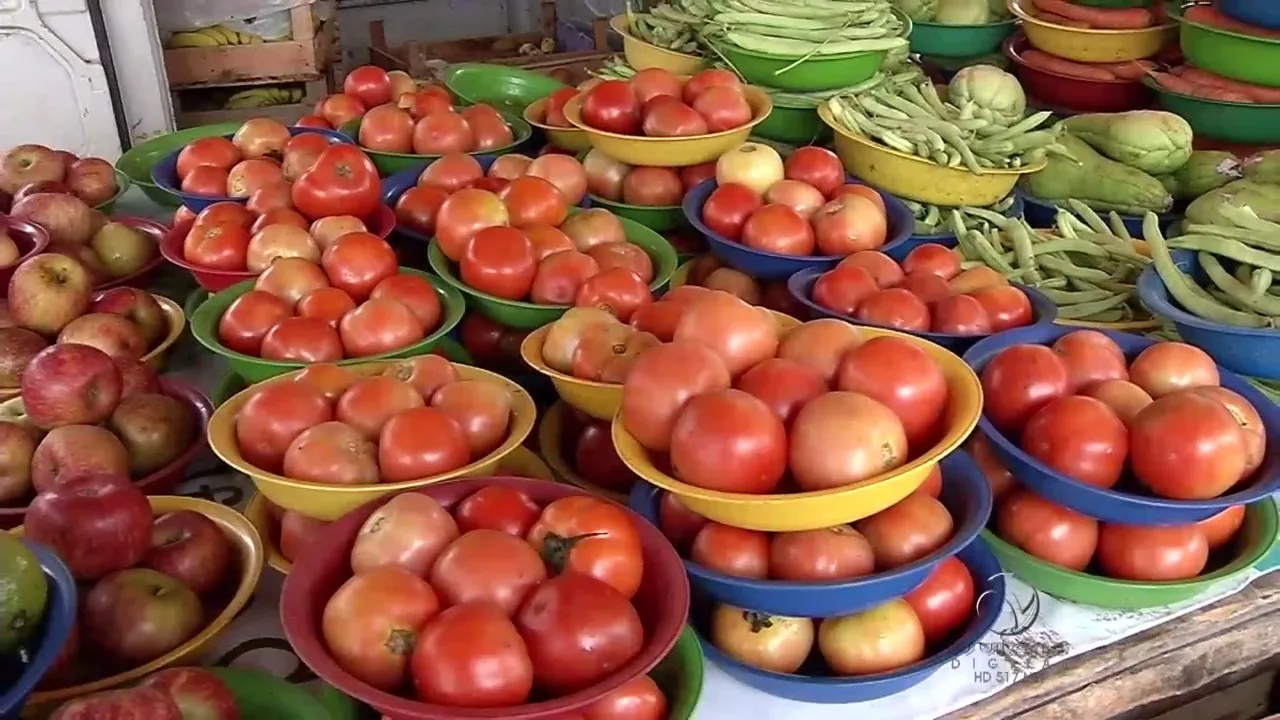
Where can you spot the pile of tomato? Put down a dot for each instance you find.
(593, 344)
(928, 292)
(431, 126)
(416, 419)
(499, 601)
(368, 87)
(657, 103)
(615, 180)
(256, 157)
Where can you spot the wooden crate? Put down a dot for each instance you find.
(303, 57)
(315, 90)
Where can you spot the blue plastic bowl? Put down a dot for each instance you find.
(59, 618)
(1260, 13)
(1042, 214)
(165, 173)
(989, 588)
(1254, 352)
(763, 265)
(965, 493)
(1110, 505)
(800, 285)
(948, 239)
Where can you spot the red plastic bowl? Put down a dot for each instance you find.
(164, 480)
(207, 278)
(31, 239)
(152, 229)
(662, 601)
(1077, 94)
(381, 222)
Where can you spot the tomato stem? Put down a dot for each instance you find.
(759, 621)
(557, 548)
(400, 642)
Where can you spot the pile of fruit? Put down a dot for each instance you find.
(646, 186)
(593, 344)
(261, 155)
(35, 169)
(657, 103)
(172, 694)
(431, 127)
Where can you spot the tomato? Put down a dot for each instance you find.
(736, 283)
(784, 386)
(357, 262)
(596, 460)
(1186, 446)
(206, 181)
(451, 173)
(584, 535)
(462, 215)
(290, 278)
(769, 642)
(370, 623)
(1246, 415)
(487, 566)
(1124, 398)
(340, 109)
(312, 121)
(330, 379)
(652, 186)
(638, 699)
(499, 508)
(906, 531)
(861, 191)
(488, 127)
(661, 382)
(409, 531)
(740, 334)
(386, 128)
(821, 344)
(471, 656)
(847, 225)
(778, 229)
(301, 153)
(1222, 528)
(327, 230)
(665, 116)
(425, 373)
(932, 485)
(933, 259)
(425, 102)
(732, 551)
(1046, 530)
(960, 315)
(901, 375)
(332, 453)
(815, 166)
(1167, 367)
(883, 639)
(415, 293)
(693, 175)
(379, 325)
(593, 227)
(997, 475)
(616, 290)
(217, 151)
(680, 524)
(248, 319)
(1019, 381)
(1091, 357)
(279, 216)
(302, 339)
(343, 181)
(499, 261)
(945, 602)
(896, 308)
(565, 334)
(279, 241)
(482, 409)
(509, 167)
(441, 133)
(298, 532)
(531, 200)
(886, 272)
(755, 165)
(801, 197)
(420, 443)
(547, 240)
(704, 80)
(559, 276)
(1007, 306)
(624, 255)
(1079, 437)
(555, 107)
(371, 401)
(842, 438)
(369, 84)
(612, 106)
(1152, 553)
(327, 303)
(270, 197)
(730, 441)
(724, 108)
(728, 209)
(652, 82)
(834, 553)
(605, 175)
(563, 171)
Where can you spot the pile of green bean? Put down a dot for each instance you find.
(936, 219)
(914, 119)
(1087, 267)
(805, 28)
(673, 25)
(1244, 295)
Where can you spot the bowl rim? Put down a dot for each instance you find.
(123, 183)
(622, 25)
(520, 132)
(1176, 15)
(139, 152)
(1014, 45)
(171, 250)
(40, 238)
(537, 108)
(222, 433)
(58, 620)
(259, 515)
(1154, 294)
(1015, 6)
(248, 544)
(531, 353)
(966, 26)
(607, 204)
(453, 71)
(1160, 89)
(759, 100)
(157, 230)
(551, 428)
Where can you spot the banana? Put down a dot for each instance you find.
(295, 95)
(192, 40)
(256, 97)
(226, 35)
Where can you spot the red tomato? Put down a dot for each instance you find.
(487, 566)
(801, 197)
(451, 173)
(559, 276)
(593, 227)
(624, 255)
(1152, 553)
(815, 166)
(343, 181)
(896, 308)
(488, 128)
(841, 438)
(370, 402)
(638, 699)
(340, 109)
(1124, 398)
(273, 417)
(386, 128)
(302, 339)
(481, 408)
(248, 319)
(652, 82)
(555, 107)
(834, 553)
(1091, 357)
(604, 175)
(597, 461)
(906, 531)
(408, 531)
(933, 259)
(369, 84)
(498, 508)
(1222, 528)
(218, 152)
(332, 380)
(928, 287)
(729, 441)
(784, 385)
(932, 485)
(661, 382)
(709, 78)
(548, 240)
(367, 623)
(218, 246)
(652, 186)
(1167, 367)
(1186, 446)
(680, 524)
(416, 293)
(1079, 437)
(666, 116)
(902, 376)
(612, 106)
(778, 229)
(420, 443)
(1047, 530)
(694, 175)
(357, 262)
(886, 272)
(591, 537)
(563, 171)
(843, 289)
(379, 325)
(1019, 381)
(1246, 415)
(499, 261)
(945, 602)
(849, 224)
(728, 208)
(960, 315)
(441, 133)
(1007, 306)
(742, 335)
(425, 373)
(206, 181)
(861, 191)
(471, 656)
(732, 551)
(724, 108)
(997, 475)
(617, 291)
(464, 214)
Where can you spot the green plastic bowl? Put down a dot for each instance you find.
(680, 676)
(659, 218)
(1240, 123)
(391, 163)
(506, 88)
(204, 324)
(259, 695)
(520, 315)
(1234, 55)
(794, 125)
(137, 163)
(959, 41)
(820, 72)
(1256, 537)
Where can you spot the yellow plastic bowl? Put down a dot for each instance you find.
(671, 151)
(643, 55)
(598, 399)
(824, 508)
(330, 502)
(551, 430)
(913, 178)
(177, 324)
(681, 275)
(249, 549)
(572, 139)
(1089, 45)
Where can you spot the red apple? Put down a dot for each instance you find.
(6, 201)
(140, 306)
(97, 524)
(141, 703)
(200, 694)
(190, 547)
(93, 180)
(70, 384)
(10, 253)
(137, 615)
(155, 429)
(296, 532)
(44, 186)
(68, 159)
(71, 451)
(48, 291)
(137, 378)
(17, 447)
(17, 347)
(115, 335)
(26, 164)
(67, 218)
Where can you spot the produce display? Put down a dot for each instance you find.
(841, 27)
(610, 179)
(431, 127)
(709, 272)
(657, 103)
(937, 220)
(256, 159)
(1075, 15)
(367, 87)
(593, 344)
(35, 169)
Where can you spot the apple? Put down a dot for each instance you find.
(93, 180)
(44, 186)
(137, 615)
(155, 429)
(67, 218)
(70, 384)
(97, 524)
(190, 547)
(6, 317)
(17, 347)
(67, 158)
(61, 672)
(6, 201)
(296, 532)
(26, 164)
(71, 451)
(114, 335)
(199, 694)
(10, 253)
(123, 250)
(48, 291)
(86, 256)
(17, 446)
(140, 306)
(140, 703)
(136, 378)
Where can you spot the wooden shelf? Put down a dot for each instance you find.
(300, 59)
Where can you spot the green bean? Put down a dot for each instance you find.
(1233, 249)
(1022, 250)
(1260, 281)
(1241, 295)
(1187, 293)
(1084, 310)
(1254, 236)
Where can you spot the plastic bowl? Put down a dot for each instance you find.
(947, 239)
(507, 88)
(1089, 45)
(1249, 351)
(659, 218)
(329, 502)
(1235, 55)
(1262, 13)
(551, 438)
(207, 278)
(571, 139)
(152, 229)
(966, 494)
(600, 400)
(521, 315)
(959, 41)
(204, 327)
(140, 159)
(1233, 122)
(989, 588)
(59, 619)
(1110, 505)
(643, 55)
(389, 163)
(671, 151)
(164, 174)
(765, 265)
(662, 601)
(800, 285)
(793, 125)
(249, 554)
(1079, 94)
(30, 238)
(913, 178)
(1257, 536)
(1044, 214)
(788, 512)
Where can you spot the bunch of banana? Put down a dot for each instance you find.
(213, 36)
(264, 97)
